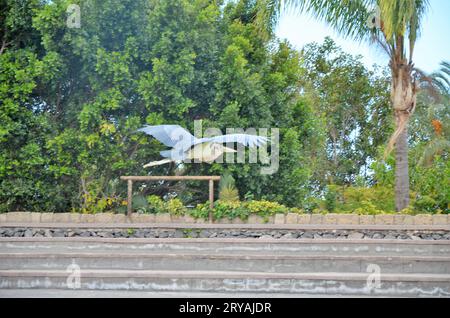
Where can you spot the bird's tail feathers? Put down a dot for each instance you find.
(157, 163)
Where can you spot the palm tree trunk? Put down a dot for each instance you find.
(403, 95)
(401, 172)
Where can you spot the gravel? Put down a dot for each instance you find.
(224, 233)
(355, 236)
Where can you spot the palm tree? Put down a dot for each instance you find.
(440, 80)
(395, 26)
(438, 84)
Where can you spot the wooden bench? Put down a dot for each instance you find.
(132, 179)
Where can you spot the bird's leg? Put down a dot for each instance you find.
(157, 163)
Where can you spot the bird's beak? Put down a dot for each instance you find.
(226, 149)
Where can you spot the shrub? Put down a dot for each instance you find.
(230, 210)
(175, 206)
(409, 211)
(155, 204)
(201, 211)
(140, 204)
(426, 204)
(242, 210)
(361, 200)
(296, 210)
(368, 208)
(331, 198)
(265, 208)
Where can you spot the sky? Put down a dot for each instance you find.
(432, 48)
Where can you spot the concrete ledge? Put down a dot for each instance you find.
(256, 241)
(228, 225)
(212, 256)
(304, 219)
(350, 219)
(18, 217)
(87, 218)
(330, 219)
(422, 221)
(441, 219)
(316, 219)
(280, 219)
(384, 219)
(227, 275)
(366, 219)
(292, 218)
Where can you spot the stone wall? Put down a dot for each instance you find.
(290, 218)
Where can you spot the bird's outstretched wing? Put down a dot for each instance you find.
(244, 139)
(173, 136)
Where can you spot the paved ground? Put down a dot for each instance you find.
(37, 268)
(49, 293)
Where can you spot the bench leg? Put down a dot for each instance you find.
(130, 198)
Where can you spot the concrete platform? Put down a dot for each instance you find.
(58, 293)
(227, 266)
(233, 262)
(411, 285)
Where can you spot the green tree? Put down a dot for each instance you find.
(72, 98)
(353, 102)
(24, 182)
(260, 88)
(131, 63)
(397, 33)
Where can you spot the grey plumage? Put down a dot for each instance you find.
(171, 135)
(186, 146)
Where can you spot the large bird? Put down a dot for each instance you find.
(185, 146)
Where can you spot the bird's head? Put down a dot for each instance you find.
(212, 151)
(219, 149)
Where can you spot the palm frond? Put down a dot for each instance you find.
(267, 13)
(227, 188)
(441, 78)
(442, 83)
(403, 19)
(437, 83)
(414, 27)
(348, 17)
(434, 148)
(445, 68)
(427, 82)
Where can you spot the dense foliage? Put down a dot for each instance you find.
(71, 100)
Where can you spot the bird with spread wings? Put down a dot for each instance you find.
(185, 146)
